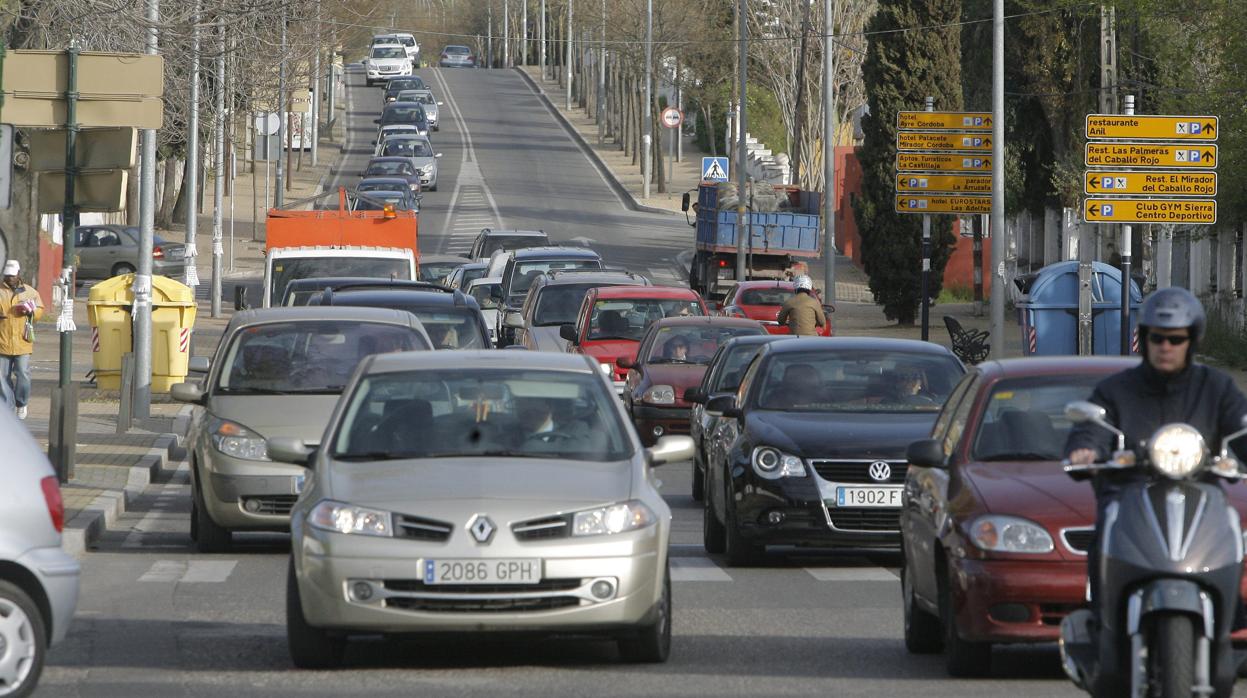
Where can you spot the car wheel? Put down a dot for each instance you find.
(24, 639)
(740, 552)
(699, 477)
(963, 659)
(209, 537)
(121, 268)
(433, 187)
(922, 630)
(652, 643)
(310, 648)
(712, 533)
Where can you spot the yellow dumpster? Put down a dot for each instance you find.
(173, 319)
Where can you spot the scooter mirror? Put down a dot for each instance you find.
(1081, 411)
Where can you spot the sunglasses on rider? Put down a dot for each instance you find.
(1173, 339)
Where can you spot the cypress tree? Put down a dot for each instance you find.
(914, 51)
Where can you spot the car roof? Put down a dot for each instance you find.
(304, 313)
(765, 283)
(444, 258)
(471, 266)
(912, 346)
(389, 158)
(661, 292)
(705, 320)
(387, 180)
(555, 251)
(468, 360)
(513, 233)
(408, 297)
(1056, 365)
(390, 45)
(752, 339)
(601, 277)
(485, 280)
(407, 105)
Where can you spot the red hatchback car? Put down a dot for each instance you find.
(761, 301)
(995, 540)
(612, 320)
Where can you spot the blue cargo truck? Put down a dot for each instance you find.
(777, 243)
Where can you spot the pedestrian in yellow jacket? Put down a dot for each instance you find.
(802, 313)
(20, 308)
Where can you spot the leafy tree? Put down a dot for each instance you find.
(901, 68)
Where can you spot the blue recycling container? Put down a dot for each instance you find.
(1050, 312)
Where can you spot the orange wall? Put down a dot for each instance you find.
(50, 255)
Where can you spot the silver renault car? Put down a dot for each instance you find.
(276, 372)
(476, 492)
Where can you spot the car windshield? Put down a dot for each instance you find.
(384, 185)
(764, 296)
(436, 272)
(503, 413)
(524, 273)
(423, 98)
(558, 304)
(628, 318)
(494, 243)
(407, 41)
(470, 275)
(388, 167)
(407, 147)
(286, 270)
(396, 85)
(692, 344)
(309, 356)
(1025, 417)
(402, 113)
(457, 49)
(388, 52)
(733, 369)
(857, 381)
(482, 294)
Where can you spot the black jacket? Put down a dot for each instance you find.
(1140, 400)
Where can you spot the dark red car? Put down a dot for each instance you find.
(761, 301)
(995, 538)
(662, 370)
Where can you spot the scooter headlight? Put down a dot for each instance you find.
(1177, 451)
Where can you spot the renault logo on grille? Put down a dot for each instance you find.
(880, 471)
(481, 528)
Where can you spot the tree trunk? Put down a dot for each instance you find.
(169, 193)
(183, 198)
(660, 173)
(712, 139)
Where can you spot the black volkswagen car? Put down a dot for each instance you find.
(811, 448)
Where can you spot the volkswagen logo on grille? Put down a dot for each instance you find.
(880, 471)
(481, 528)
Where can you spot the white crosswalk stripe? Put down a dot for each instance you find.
(192, 572)
(697, 569)
(851, 574)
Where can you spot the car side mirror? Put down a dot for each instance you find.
(669, 449)
(187, 392)
(684, 201)
(927, 453)
(568, 332)
(495, 292)
(694, 395)
(240, 298)
(625, 362)
(440, 103)
(514, 320)
(722, 404)
(199, 364)
(284, 449)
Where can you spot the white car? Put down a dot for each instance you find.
(386, 61)
(408, 42)
(38, 580)
(482, 290)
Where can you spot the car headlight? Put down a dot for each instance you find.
(334, 516)
(1177, 451)
(659, 395)
(1010, 534)
(237, 441)
(616, 518)
(608, 369)
(772, 463)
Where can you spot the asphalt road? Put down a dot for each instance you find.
(157, 619)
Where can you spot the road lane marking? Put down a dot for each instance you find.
(164, 571)
(696, 569)
(851, 574)
(471, 190)
(193, 572)
(163, 521)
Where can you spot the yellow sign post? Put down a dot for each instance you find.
(1202, 157)
(943, 120)
(1152, 128)
(938, 184)
(910, 203)
(915, 140)
(942, 162)
(1185, 211)
(1113, 183)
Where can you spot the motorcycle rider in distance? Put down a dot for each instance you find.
(1167, 386)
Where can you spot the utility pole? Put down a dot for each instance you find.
(63, 425)
(998, 233)
(742, 228)
(926, 260)
(280, 179)
(218, 181)
(524, 34)
(829, 153)
(141, 313)
(567, 60)
(315, 85)
(647, 124)
(542, 47)
(506, 33)
(601, 100)
(489, 42)
(1126, 232)
(192, 156)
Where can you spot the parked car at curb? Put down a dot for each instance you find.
(38, 579)
(276, 372)
(105, 251)
(526, 506)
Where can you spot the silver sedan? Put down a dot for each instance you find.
(479, 492)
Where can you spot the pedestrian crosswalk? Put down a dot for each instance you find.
(190, 571)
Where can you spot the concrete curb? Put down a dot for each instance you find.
(620, 190)
(82, 532)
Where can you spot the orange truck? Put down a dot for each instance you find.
(337, 242)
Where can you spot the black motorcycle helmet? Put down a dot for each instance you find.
(1173, 308)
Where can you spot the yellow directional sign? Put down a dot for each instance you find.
(1151, 155)
(910, 203)
(949, 120)
(1187, 211)
(1157, 183)
(1153, 128)
(914, 140)
(937, 184)
(942, 162)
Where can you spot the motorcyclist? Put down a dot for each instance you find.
(1167, 386)
(802, 312)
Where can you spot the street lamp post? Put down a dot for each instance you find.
(742, 228)
(829, 153)
(647, 137)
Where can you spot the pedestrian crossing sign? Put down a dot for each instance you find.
(714, 170)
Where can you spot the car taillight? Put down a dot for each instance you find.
(158, 253)
(56, 506)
